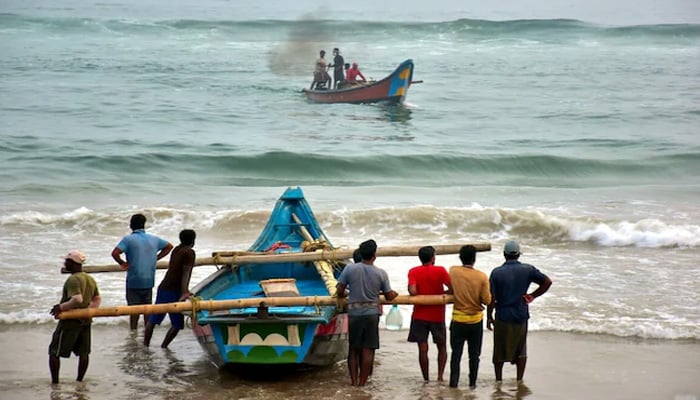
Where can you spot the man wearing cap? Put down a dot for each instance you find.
(142, 251)
(509, 296)
(73, 335)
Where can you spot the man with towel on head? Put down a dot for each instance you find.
(73, 335)
(509, 296)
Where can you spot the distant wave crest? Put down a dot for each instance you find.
(439, 224)
(305, 28)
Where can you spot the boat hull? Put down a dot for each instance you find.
(309, 335)
(392, 89)
(249, 343)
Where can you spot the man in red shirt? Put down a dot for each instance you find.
(353, 73)
(429, 278)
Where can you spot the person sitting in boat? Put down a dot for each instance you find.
(322, 80)
(344, 83)
(353, 73)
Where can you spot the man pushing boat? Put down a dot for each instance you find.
(366, 282)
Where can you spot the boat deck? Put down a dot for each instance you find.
(252, 289)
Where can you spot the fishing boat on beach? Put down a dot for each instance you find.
(312, 334)
(392, 89)
(275, 303)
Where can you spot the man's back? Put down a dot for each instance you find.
(509, 283)
(83, 284)
(320, 65)
(366, 283)
(141, 251)
(180, 257)
(471, 289)
(429, 280)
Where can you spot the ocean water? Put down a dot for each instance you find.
(570, 127)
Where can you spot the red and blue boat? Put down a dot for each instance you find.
(392, 89)
(309, 335)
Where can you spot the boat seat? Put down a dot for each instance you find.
(281, 287)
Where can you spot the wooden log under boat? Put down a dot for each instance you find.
(238, 258)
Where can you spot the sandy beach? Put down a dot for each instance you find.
(568, 126)
(560, 366)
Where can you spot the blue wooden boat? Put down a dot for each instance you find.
(311, 335)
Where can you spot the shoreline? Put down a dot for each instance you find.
(560, 365)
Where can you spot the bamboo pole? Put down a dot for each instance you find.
(216, 305)
(324, 268)
(328, 255)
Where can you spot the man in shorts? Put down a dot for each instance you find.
(142, 251)
(366, 283)
(509, 285)
(73, 335)
(428, 279)
(174, 287)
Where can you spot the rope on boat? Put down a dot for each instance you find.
(324, 268)
(316, 306)
(217, 261)
(195, 305)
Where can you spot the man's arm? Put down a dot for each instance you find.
(186, 275)
(412, 289)
(448, 282)
(391, 295)
(340, 289)
(164, 251)
(117, 256)
(96, 301)
(489, 314)
(69, 304)
(542, 289)
(485, 292)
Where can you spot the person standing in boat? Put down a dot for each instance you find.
(429, 279)
(321, 77)
(338, 74)
(174, 287)
(142, 251)
(471, 293)
(366, 282)
(73, 335)
(353, 73)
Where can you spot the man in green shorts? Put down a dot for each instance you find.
(509, 296)
(73, 335)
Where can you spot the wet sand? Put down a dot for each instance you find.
(560, 366)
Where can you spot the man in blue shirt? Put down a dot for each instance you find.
(509, 285)
(142, 251)
(366, 282)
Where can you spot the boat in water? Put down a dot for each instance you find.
(392, 89)
(309, 335)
